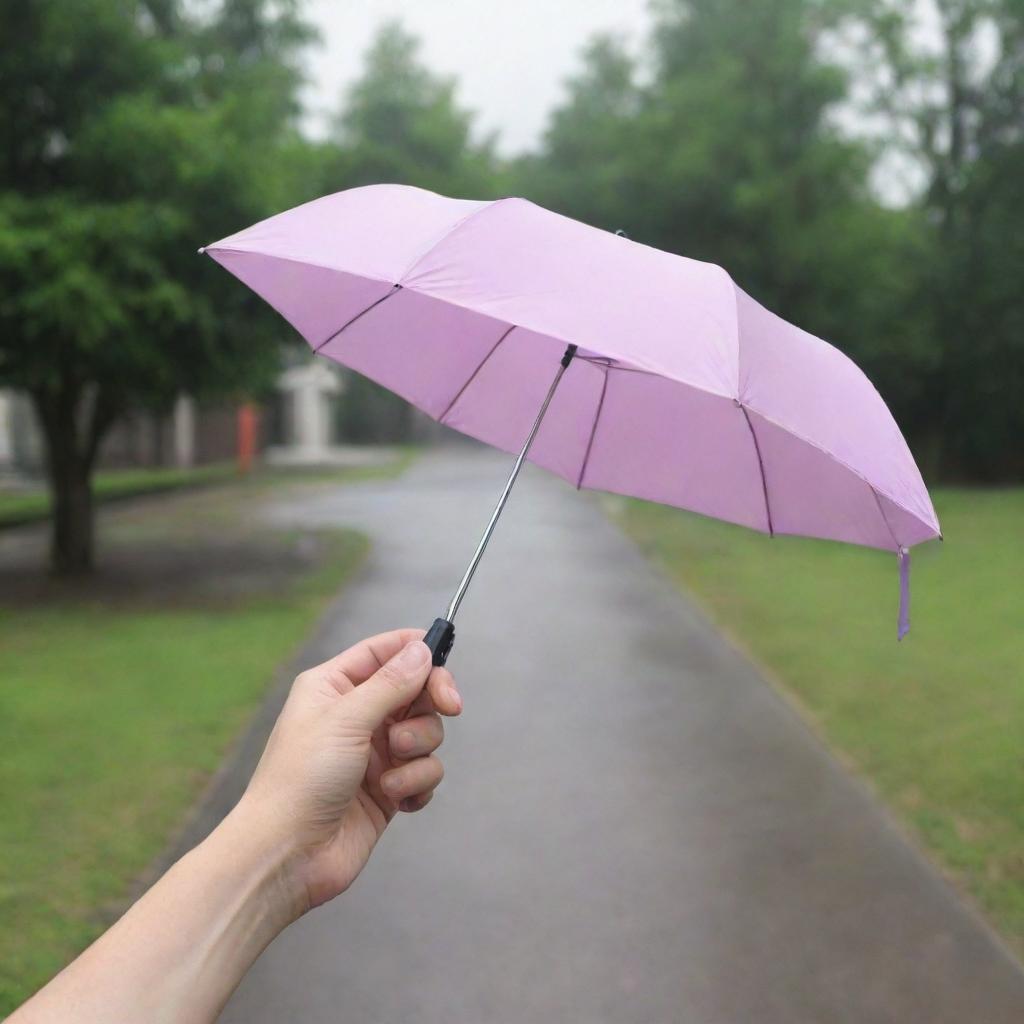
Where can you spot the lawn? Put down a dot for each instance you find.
(18, 507)
(933, 722)
(118, 700)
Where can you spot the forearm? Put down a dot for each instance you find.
(339, 764)
(180, 951)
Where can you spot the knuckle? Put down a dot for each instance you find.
(392, 676)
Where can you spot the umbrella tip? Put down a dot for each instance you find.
(622, 234)
(201, 250)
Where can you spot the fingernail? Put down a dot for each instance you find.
(405, 740)
(456, 696)
(392, 783)
(414, 655)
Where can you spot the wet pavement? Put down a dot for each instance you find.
(634, 827)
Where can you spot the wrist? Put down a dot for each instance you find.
(181, 949)
(265, 861)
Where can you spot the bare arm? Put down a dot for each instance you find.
(338, 766)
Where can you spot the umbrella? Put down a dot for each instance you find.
(616, 365)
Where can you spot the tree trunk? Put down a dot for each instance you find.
(71, 449)
(71, 543)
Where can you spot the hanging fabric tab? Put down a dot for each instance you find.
(903, 628)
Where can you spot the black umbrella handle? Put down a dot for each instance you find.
(439, 639)
(441, 634)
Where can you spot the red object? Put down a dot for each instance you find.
(247, 424)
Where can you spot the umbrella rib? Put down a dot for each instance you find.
(472, 376)
(593, 428)
(394, 289)
(608, 364)
(885, 518)
(449, 231)
(760, 465)
(845, 465)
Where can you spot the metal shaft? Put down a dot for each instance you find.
(521, 458)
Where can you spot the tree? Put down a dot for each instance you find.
(134, 133)
(954, 99)
(400, 123)
(728, 150)
(586, 167)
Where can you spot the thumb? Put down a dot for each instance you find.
(396, 683)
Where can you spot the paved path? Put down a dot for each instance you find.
(634, 829)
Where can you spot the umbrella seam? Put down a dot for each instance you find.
(546, 333)
(209, 250)
(394, 290)
(461, 222)
(885, 518)
(593, 428)
(760, 464)
(473, 375)
(842, 462)
(764, 483)
(302, 262)
(739, 346)
(607, 363)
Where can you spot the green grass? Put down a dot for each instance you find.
(19, 507)
(933, 722)
(111, 720)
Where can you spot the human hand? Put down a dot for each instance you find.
(344, 758)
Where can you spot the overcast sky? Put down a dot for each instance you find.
(511, 58)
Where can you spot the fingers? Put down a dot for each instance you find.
(416, 803)
(413, 782)
(355, 666)
(360, 661)
(443, 692)
(395, 684)
(440, 694)
(415, 737)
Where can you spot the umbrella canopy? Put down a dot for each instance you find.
(682, 388)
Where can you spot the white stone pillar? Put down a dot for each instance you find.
(305, 398)
(309, 387)
(6, 431)
(184, 424)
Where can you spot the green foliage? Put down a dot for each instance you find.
(728, 153)
(729, 147)
(982, 373)
(77, 277)
(135, 131)
(586, 165)
(957, 102)
(138, 133)
(29, 506)
(400, 123)
(370, 414)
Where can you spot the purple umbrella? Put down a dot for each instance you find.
(615, 365)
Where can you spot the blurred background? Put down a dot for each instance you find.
(857, 166)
